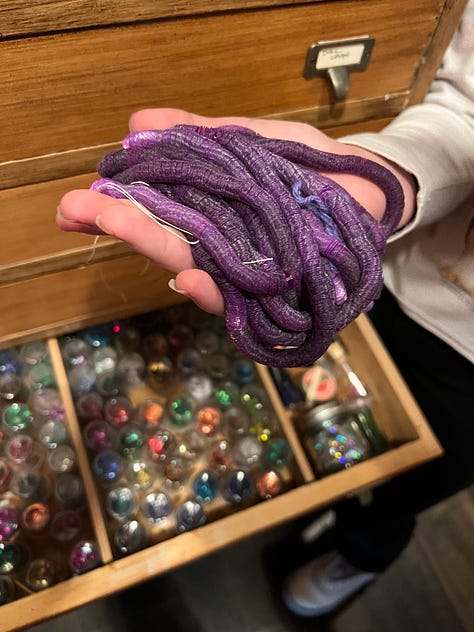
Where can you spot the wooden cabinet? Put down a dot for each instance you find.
(70, 76)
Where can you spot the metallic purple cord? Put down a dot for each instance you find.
(295, 256)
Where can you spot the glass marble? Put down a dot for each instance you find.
(99, 435)
(65, 525)
(10, 385)
(5, 475)
(238, 487)
(84, 557)
(52, 433)
(205, 486)
(207, 341)
(7, 590)
(90, 406)
(181, 410)
(220, 456)
(236, 421)
(104, 359)
(25, 483)
(269, 485)
(9, 361)
(264, 425)
(277, 452)
(127, 338)
(159, 372)
(119, 411)
(9, 522)
(75, 352)
(32, 353)
(207, 420)
(47, 403)
(150, 415)
(130, 442)
(247, 451)
(227, 394)
(69, 490)
(161, 445)
(188, 361)
(39, 376)
(189, 515)
(200, 387)
(253, 397)
(243, 371)
(40, 574)
(108, 384)
(140, 474)
(107, 466)
(180, 336)
(35, 517)
(81, 379)
(154, 345)
(191, 444)
(217, 365)
(17, 417)
(99, 336)
(12, 558)
(156, 507)
(121, 503)
(130, 537)
(19, 448)
(131, 368)
(176, 471)
(62, 459)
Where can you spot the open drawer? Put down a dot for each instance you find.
(397, 415)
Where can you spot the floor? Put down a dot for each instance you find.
(237, 590)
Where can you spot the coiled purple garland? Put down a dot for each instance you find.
(295, 256)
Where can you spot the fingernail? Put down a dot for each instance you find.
(59, 212)
(98, 222)
(172, 286)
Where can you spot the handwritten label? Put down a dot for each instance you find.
(339, 56)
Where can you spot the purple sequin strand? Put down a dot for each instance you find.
(295, 256)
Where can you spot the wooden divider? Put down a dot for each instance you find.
(83, 461)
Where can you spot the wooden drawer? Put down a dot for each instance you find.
(73, 90)
(396, 412)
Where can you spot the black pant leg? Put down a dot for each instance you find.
(442, 381)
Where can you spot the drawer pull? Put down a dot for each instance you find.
(336, 59)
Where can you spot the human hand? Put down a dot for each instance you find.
(95, 213)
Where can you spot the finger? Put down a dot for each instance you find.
(200, 288)
(84, 209)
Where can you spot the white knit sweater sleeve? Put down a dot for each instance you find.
(435, 140)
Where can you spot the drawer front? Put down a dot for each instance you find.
(76, 89)
(61, 302)
(396, 412)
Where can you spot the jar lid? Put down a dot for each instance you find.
(315, 416)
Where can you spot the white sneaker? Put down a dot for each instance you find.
(322, 585)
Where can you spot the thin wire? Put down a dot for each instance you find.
(163, 223)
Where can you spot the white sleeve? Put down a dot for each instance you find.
(434, 141)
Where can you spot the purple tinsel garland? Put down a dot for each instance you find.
(294, 255)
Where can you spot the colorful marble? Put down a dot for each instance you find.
(189, 515)
(84, 557)
(40, 574)
(121, 503)
(156, 507)
(205, 486)
(107, 466)
(17, 417)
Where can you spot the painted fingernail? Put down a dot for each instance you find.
(172, 286)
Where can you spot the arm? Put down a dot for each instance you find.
(434, 141)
